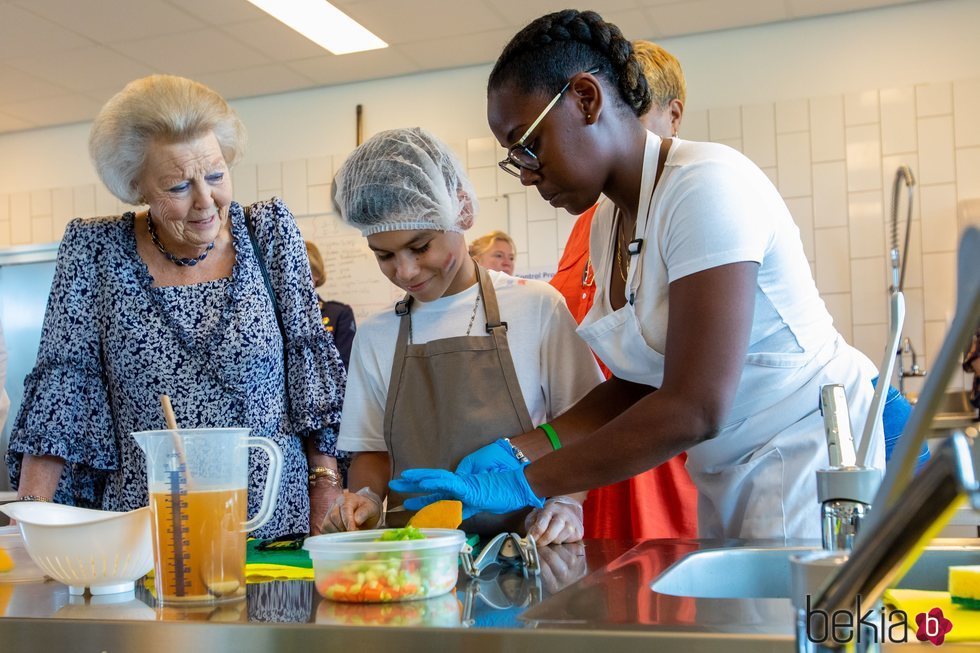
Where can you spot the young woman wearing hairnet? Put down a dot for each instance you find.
(467, 357)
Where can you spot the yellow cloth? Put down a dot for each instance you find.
(260, 573)
(966, 623)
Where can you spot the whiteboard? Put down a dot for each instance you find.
(353, 275)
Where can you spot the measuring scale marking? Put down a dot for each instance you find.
(178, 523)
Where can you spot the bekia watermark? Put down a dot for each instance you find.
(873, 625)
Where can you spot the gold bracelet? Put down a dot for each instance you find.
(332, 475)
(34, 497)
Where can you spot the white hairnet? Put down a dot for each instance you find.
(404, 179)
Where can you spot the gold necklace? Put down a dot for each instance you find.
(623, 269)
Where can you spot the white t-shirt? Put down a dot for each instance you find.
(554, 367)
(712, 207)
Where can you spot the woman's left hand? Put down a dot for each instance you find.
(559, 522)
(322, 496)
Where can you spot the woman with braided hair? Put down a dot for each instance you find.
(705, 310)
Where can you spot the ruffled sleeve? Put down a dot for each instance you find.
(315, 376)
(66, 411)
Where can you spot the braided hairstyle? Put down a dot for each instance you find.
(553, 48)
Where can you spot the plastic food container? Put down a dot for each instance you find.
(355, 568)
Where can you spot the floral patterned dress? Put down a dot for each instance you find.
(112, 344)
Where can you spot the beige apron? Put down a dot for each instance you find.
(449, 397)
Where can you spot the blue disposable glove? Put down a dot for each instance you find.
(496, 492)
(494, 457)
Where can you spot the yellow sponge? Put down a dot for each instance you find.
(6, 562)
(964, 586)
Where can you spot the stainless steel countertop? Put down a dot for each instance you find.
(593, 596)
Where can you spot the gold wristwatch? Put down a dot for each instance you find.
(332, 475)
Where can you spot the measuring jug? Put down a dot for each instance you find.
(198, 480)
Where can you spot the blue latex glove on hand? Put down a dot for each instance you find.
(496, 492)
(494, 457)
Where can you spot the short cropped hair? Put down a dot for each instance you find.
(663, 72)
(480, 246)
(165, 107)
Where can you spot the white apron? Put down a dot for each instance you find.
(756, 478)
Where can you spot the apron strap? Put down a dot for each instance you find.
(498, 331)
(402, 309)
(661, 164)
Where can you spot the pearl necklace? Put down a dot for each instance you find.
(174, 259)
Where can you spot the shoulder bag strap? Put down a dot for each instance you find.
(265, 272)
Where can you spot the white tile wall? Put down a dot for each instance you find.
(792, 116)
(538, 209)
(20, 219)
(869, 305)
(866, 236)
(827, 128)
(861, 108)
(269, 176)
(833, 158)
(793, 156)
(245, 180)
(939, 276)
(295, 186)
(898, 120)
(938, 206)
(724, 123)
(694, 126)
(934, 99)
(829, 194)
(967, 173)
(319, 170)
(484, 181)
(482, 152)
(863, 157)
(966, 107)
(759, 134)
(833, 260)
(542, 240)
(936, 151)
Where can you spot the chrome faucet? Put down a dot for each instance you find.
(913, 370)
(909, 511)
(845, 489)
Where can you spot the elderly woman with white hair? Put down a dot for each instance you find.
(193, 297)
(468, 357)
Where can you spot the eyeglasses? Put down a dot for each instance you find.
(519, 155)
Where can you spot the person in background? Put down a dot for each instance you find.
(171, 300)
(661, 502)
(495, 251)
(971, 363)
(337, 317)
(706, 310)
(470, 355)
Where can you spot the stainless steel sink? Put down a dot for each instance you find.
(954, 412)
(763, 573)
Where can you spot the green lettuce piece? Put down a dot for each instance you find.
(395, 534)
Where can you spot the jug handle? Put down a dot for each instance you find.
(270, 495)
